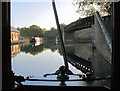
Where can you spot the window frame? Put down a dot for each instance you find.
(7, 82)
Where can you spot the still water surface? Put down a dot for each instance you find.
(38, 59)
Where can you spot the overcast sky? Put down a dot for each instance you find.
(40, 12)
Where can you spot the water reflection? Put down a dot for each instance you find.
(48, 51)
(83, 57)
(83, 50)
(39, 59)
(15, 49)
(32, 48)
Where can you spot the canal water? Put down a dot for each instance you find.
(37, 59)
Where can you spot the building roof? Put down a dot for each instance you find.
(14, 29)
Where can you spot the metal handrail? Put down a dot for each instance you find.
(85, 79)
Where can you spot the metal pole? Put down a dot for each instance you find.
(60, 35)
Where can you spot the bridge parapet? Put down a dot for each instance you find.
(101, 36)
(106, 18)
(84, 23)
(80, 24)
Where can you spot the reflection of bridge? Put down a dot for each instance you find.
(79, 63)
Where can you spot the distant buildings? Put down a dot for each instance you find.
(14, 38)
(14, 34)
(38, 40)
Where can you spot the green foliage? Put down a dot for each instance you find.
(32, 31)
(34, 26)
(51, 34)
(36, 31)
(35, 50)
(62, 26)
(89, 8)
(53, 29)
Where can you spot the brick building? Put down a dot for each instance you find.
(14, 34)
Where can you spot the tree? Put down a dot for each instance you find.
(33, 26)
(18, 28)
(44, 29)
(32, 31)
(62, 26)
(53, 29)
(89, 8)
(52, 33)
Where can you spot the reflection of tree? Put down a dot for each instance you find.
(60, 51)
(51, 45)
(32, 49)
(53, 49)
